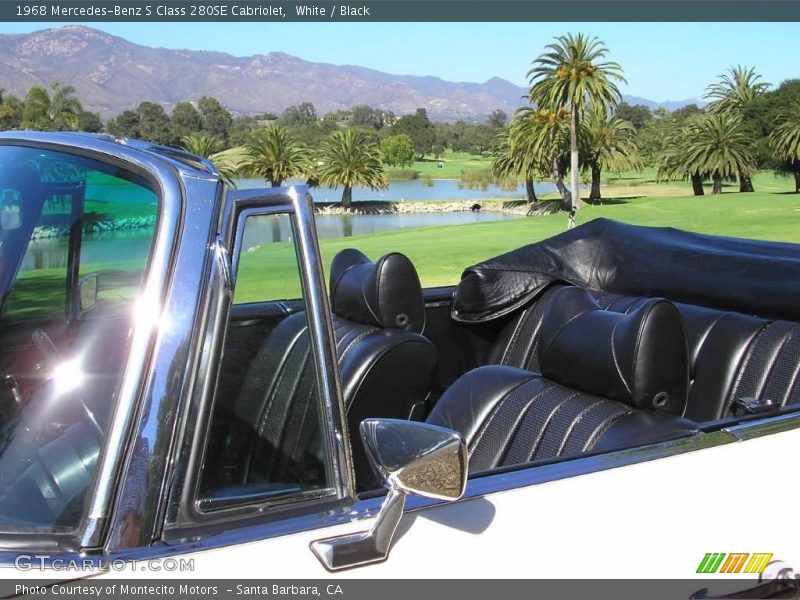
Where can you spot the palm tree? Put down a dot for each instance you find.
(719, 146)
(731, 95)
(65, 108)
(785, 139)
(509, 159)
(572, 75)
(611, 145)
(350, 158)
(57, 110)
(543, 136)
(672, 162)
(274, 154)
(211, 147)
(735, 90)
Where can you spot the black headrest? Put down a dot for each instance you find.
(386, 293)
(640, 358)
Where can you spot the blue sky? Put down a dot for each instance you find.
(662, 61)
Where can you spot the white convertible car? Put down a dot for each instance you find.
(614, 402)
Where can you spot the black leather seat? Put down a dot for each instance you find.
(608, 380)
(736, 360)
(387, 368)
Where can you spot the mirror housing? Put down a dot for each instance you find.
(416, 458)
(409, 457)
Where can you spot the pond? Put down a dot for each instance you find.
(412, 190)
(52, 252)
(339, 226)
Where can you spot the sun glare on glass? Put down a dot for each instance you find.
(68, 376)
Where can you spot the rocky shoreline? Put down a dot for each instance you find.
(106, 225)
(512, 207)
(508, 206)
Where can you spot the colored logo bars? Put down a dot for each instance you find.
(738, 562)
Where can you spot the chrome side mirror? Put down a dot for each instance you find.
(410, 457)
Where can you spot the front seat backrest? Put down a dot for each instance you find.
(386, 365)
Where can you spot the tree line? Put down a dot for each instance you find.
(575, 125)
(58, 109)
(341, 148)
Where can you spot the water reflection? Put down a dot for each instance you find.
(51, 253)
(130, 244)
(347, 226)
(411, 191)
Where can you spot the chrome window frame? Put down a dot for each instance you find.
(185, 517)
(162, 177)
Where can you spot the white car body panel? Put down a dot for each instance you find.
(654, 520)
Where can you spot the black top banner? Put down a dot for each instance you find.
(400, 11)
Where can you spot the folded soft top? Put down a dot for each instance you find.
(749, 276)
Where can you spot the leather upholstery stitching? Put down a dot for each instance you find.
(574, 423)
(275, 383)
(605, 426)
(614, 356)
(558, 332)
(638, 342)
(518, 423)
(355, 341)
(517, 330)
(484, 426)
(747, 356)
(548, 421)
(771, 373)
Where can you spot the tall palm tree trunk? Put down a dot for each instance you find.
(717, 179)
(574, 159)
(697, 184)
(597, 170)
(797, 182)
(347, 198)
(558, 178)
(275, 182)
(529, 190)
(745, 183)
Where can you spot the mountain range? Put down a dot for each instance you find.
(111, 74)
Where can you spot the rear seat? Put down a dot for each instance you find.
(605, 380)
(738, 363)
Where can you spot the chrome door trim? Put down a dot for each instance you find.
(323, 342)
(184, 515)
(767, 426)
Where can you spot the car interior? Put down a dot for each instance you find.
(570, 370)
(65, 336)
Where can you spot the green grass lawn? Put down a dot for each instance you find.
(453, 163)
(441, 253)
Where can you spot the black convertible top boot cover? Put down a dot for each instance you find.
(748, 276)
